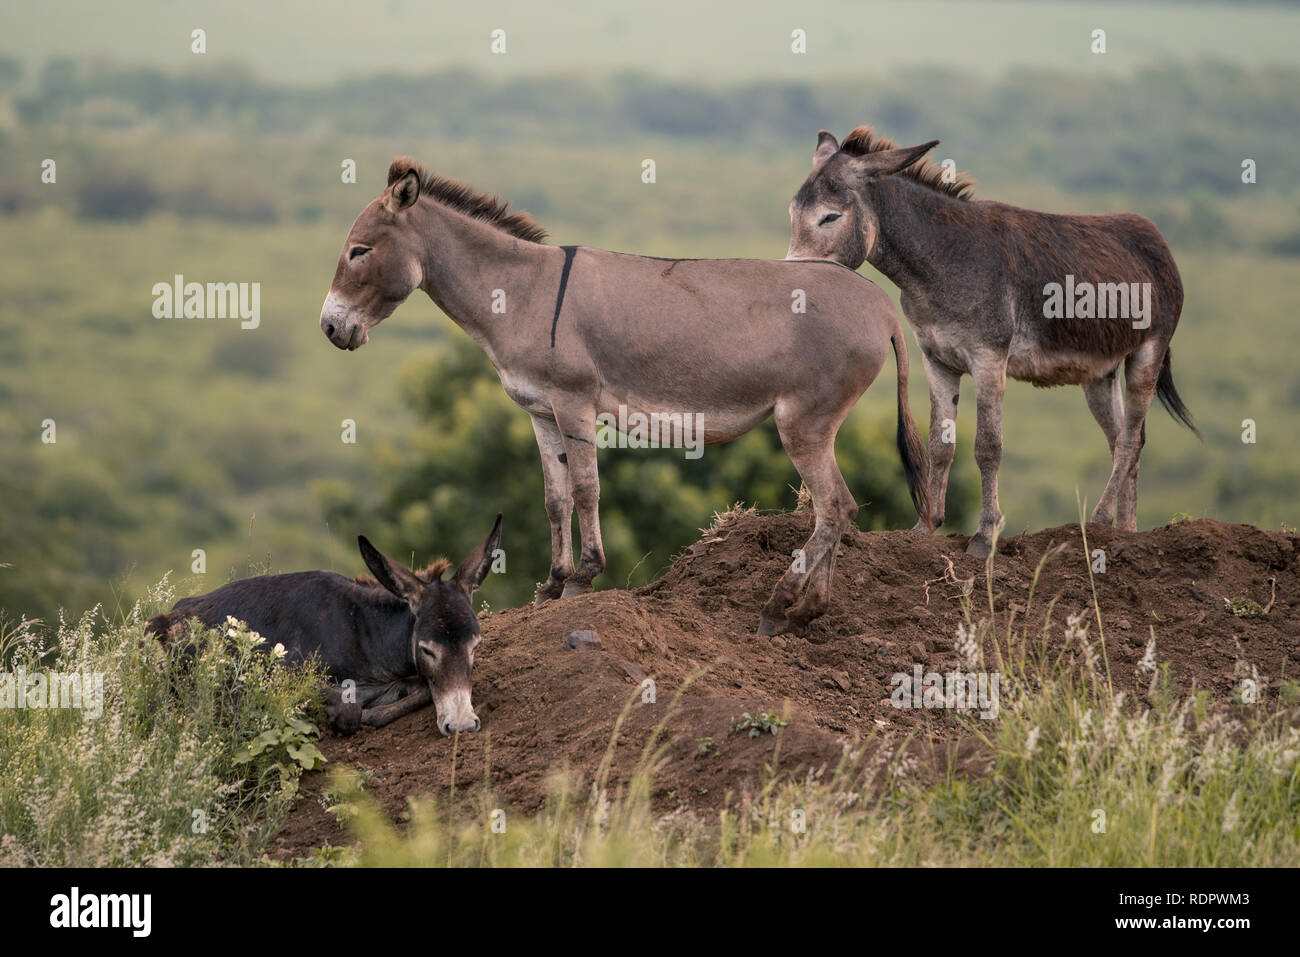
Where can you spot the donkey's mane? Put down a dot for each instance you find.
(865, 140)
(490, 209)
(429, 574)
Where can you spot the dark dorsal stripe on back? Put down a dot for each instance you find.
(865, 140)
(489, 209)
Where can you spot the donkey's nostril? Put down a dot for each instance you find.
(477, 724)
(329, 330)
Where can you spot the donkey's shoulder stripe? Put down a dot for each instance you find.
(564, 282)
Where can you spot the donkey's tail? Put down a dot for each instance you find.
(916, 465)
(1170, 398)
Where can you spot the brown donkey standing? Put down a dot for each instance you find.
(577, 333)
(993, 290)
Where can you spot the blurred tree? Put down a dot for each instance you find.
(11, 73)
(117, 195)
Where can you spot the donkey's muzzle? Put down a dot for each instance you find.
(451, 727)
(343, 334)
(456, 712)
(340, 324)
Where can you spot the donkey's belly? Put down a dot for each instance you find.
(665, 421)
(1029, 364)
(675, 424)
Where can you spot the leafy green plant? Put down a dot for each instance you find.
(756, 724)
(1244, 608)
(293, 743)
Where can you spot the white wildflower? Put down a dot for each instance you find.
(967, 647)
(1231, 813)
(1148, 663)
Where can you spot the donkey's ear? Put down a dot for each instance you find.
(404, 192)
(478, 563)
(394, 576)
(827, 146)
(888, 162)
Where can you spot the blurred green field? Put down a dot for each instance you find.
(314, 40)
(182, 434)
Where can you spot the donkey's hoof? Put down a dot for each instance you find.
(772, 626)
(979, 547)
(573, 588)
(551, 590)
(801, 620)
(343, 717)
(921, 528)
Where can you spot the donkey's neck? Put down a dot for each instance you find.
(920, 231)
(484, 278)
(390, 647)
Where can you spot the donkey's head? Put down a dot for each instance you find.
(831, 216)
(446, 631)
(380, 264)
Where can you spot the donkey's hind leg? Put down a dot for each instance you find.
(945, 390)
(1141, 373)
(1106, 402)
(990, 375)
(559, 506)
(817, 596)
(810, 443)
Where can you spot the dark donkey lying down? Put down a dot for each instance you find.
(405, 638)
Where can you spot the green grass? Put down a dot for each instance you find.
(193, 761)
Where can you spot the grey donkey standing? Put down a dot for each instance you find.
(579, 335)
(993, 290)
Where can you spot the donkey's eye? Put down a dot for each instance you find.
(357, 251)
(829, 218)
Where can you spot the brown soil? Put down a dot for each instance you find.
(896, 603)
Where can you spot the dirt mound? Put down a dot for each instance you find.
(896, 604)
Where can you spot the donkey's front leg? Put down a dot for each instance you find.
(559, 506)
(945, 389)
(990, 375)
(378, 717)
(578, 430)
